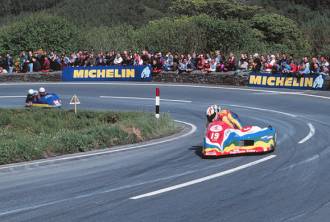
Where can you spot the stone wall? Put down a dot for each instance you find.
(200, 78)
(327, 83)
(32, 77)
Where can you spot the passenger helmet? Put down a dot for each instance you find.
(42, 90)
(31, 91)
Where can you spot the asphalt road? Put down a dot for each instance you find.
(291, 184)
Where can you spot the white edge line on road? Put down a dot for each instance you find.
(36, 163)
(145, 98)
(261, 109)
(310, 134)
(168, 85)
(203, 179)
(10, 97)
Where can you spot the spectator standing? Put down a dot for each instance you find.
(65, 61)
(304, 66)
(231, 63)
(183, 66)
(218, 58)
(201, 62)
(29, 62)
(283, 61)
(17, 65)
(137, 60)
(157, 64)
(9, 63)
(168, 63)
(2, 62)
(271, 65)
(191, 62)
(110, 58)
(315, 65)
(73, 59)
(55, 63)
(127, 59)
(36, 65)
(324, 65)
(175, 62)
(46, 64)
(286, 68)
(118, 60)
(146, 57)
(206, 66)
(256, 65)
(293, 66)
(3, 71)
(213, 66)
(22, 62)
(243, 63)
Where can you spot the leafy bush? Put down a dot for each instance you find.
(40, 31)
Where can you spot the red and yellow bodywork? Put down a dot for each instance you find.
(222, 140)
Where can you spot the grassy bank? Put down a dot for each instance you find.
(34, 134)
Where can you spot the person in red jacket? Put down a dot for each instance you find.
(294, 67)
(46, 65)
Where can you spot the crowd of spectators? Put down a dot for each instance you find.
(41, 61)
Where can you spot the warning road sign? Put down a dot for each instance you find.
(75, 100)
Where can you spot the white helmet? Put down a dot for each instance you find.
(42, 90)
(212, 111)
(31, 92)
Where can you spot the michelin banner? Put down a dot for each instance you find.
(305, 82)
(107, 73)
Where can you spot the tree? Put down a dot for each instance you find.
(280, 31)
(216, 8)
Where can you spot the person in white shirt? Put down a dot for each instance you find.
(118, 60)
(3, 71)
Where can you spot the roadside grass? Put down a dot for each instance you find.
(30, 134)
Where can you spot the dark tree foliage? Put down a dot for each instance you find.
(15, 7)
(181, 25)
(313, 17)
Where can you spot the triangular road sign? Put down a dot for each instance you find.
(75, 100)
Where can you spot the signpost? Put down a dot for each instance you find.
(75, 101)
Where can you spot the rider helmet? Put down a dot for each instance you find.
(42, 90)
(31, 91)
(212, 112)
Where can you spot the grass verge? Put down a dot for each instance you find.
(30, 134)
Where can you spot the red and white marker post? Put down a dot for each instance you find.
(157, 103)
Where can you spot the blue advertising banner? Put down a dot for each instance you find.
(305, 82)
(107, 73)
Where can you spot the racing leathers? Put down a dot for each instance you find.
(230, 118)
(29, 100)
